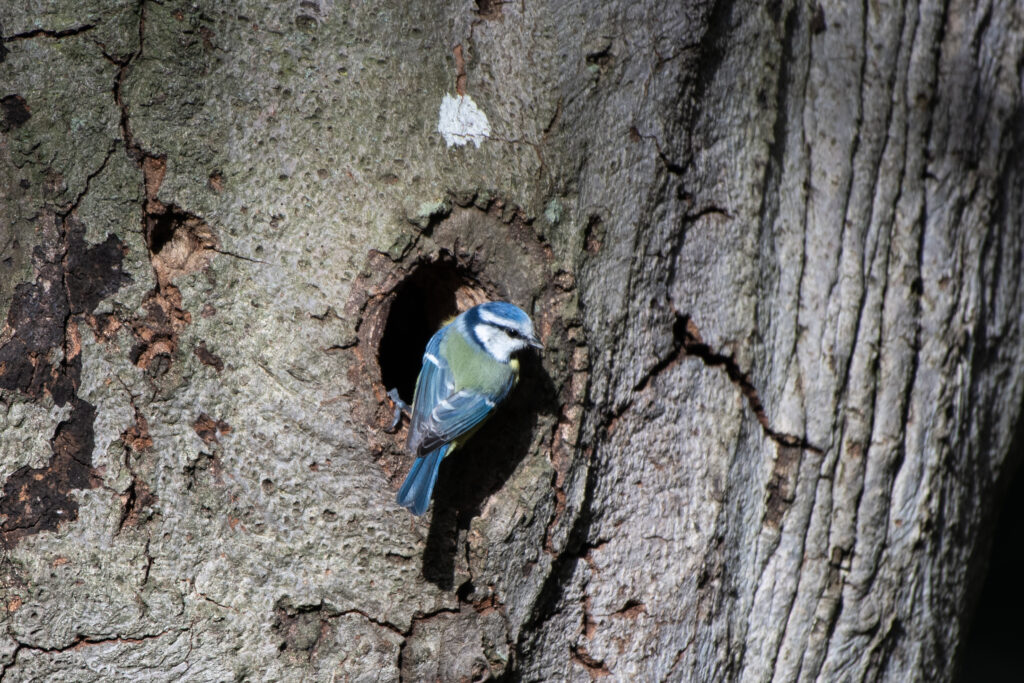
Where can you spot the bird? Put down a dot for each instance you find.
(468, 369)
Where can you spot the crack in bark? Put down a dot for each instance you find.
(178, 241)
(379, 622)
(224, 252)
(134, 150)
(407, 634)
(687, 341)
(88, 181)
(138, 495)
(595, 667)
(207, 598)
(48, 33)
(460, 70)
(77, 643)
(296, 623)
(149, 564)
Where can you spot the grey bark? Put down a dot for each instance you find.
(774, 251)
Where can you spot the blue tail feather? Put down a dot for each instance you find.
(419, 485)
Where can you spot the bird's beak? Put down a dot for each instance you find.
(534, 342)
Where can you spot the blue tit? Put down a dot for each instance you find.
(467, 370)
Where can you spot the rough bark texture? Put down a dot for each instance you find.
(775, 250)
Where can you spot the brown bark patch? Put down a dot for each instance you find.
(460, 70)
(631, 610)
(134, 502)
(207, 357)
(782, 484)
(210, 430)
(104, 326)
(153, 171)
(179, 243)
(216, 181)
(595, 668)
(157, 333)
(137, 436)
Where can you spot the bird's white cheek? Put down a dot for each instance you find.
(497, 343)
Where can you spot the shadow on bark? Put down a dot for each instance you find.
(992, 630)
(476, 471)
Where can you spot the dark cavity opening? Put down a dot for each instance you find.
(162, 227)
(423, 303)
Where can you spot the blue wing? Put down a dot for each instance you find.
(455, 415)
(433, 385)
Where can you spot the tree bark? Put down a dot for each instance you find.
(774, 252)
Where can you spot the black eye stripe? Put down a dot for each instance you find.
(510, 331)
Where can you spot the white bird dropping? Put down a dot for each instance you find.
(460, 121)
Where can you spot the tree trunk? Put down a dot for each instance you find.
(774, 252)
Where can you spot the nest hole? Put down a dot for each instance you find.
(424, 301)
(179, 242)
(162, 228)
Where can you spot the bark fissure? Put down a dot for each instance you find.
(138, 496)
(687, 341)
(88, 181)
(78, 642)
(48, 33)
(774, 169)
(855, 145)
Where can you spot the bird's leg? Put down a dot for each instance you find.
(400, 407)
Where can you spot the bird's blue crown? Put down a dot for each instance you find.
(501, 310)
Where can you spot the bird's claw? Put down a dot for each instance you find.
(400, 407)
